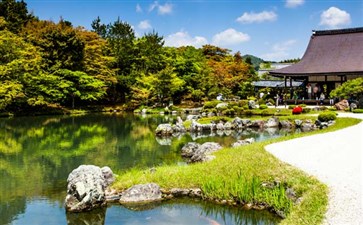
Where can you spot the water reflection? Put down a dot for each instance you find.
(181, 212)
(225, 137)
(38, 153)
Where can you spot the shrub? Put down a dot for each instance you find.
(326, 116)
(297, 110)
(358, 111)
(261, 102)
(211, 104)
(237, 109)
(272, 101)
(243, 103)
(303, 105)
(263, 106)
(306, 110)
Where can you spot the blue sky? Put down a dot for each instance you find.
(273, 30)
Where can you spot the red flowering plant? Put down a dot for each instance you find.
(297, 110)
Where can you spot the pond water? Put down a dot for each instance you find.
(38, 153)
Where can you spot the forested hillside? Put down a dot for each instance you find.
(47, 64)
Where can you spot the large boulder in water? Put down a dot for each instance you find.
(272, 122)
(86, 188)
(164, 129)
(141, 193)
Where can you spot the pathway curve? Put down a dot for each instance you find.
(335, 158)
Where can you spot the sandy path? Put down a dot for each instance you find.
(335, 158)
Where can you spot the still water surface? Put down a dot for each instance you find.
(38, 153)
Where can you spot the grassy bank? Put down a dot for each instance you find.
(237, 174)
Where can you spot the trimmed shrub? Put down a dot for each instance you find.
(358, 111)
(306, 110)
(297, 110)
(211, 104)
(291, 106)
(261, 102)
(263, 106)
(327, 116)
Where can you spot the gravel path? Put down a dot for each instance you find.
(335, 158)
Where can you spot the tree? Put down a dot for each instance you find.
(350, 88)
(59, 44)
(78, 85)
(15, 13)
(19, 66)
(149, 53)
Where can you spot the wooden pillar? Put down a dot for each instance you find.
(291, 92)
(341, 79)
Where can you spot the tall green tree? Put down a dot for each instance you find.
(15, 13)
(59, 44)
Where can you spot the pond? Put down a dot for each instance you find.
(38, 153)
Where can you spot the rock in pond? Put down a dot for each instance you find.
(272, 122)
(86, 188)
(243, 142)
(202, 154)
(141, 193)
(164, 129)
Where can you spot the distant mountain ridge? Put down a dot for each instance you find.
(256, 61)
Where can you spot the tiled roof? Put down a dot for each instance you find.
(330, 52)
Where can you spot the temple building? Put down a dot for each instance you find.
(331, 58)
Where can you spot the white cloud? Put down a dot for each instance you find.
(279, 51)
(257, 17)
(144, 25)
(167, 8)
(334, 17)
(293, 3)
(138, 8)
(182, 38)
(230, 37)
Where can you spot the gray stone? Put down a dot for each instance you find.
(342, 105)
(252, 104)
(257, 123)
(272, 122)
(246, 122)
(298, 123)
(164, 129)
(141, 193)
(192, 117)
(189, 149)
(220, 126)
(307, 125)
(86, 188)
(243, 142)
(285, 124)
(237, 121)
(228, 126)
(201, 154)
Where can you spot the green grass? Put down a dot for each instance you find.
(237, 174)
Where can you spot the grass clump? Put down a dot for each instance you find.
(238, 173)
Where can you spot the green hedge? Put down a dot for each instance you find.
(326, 116)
